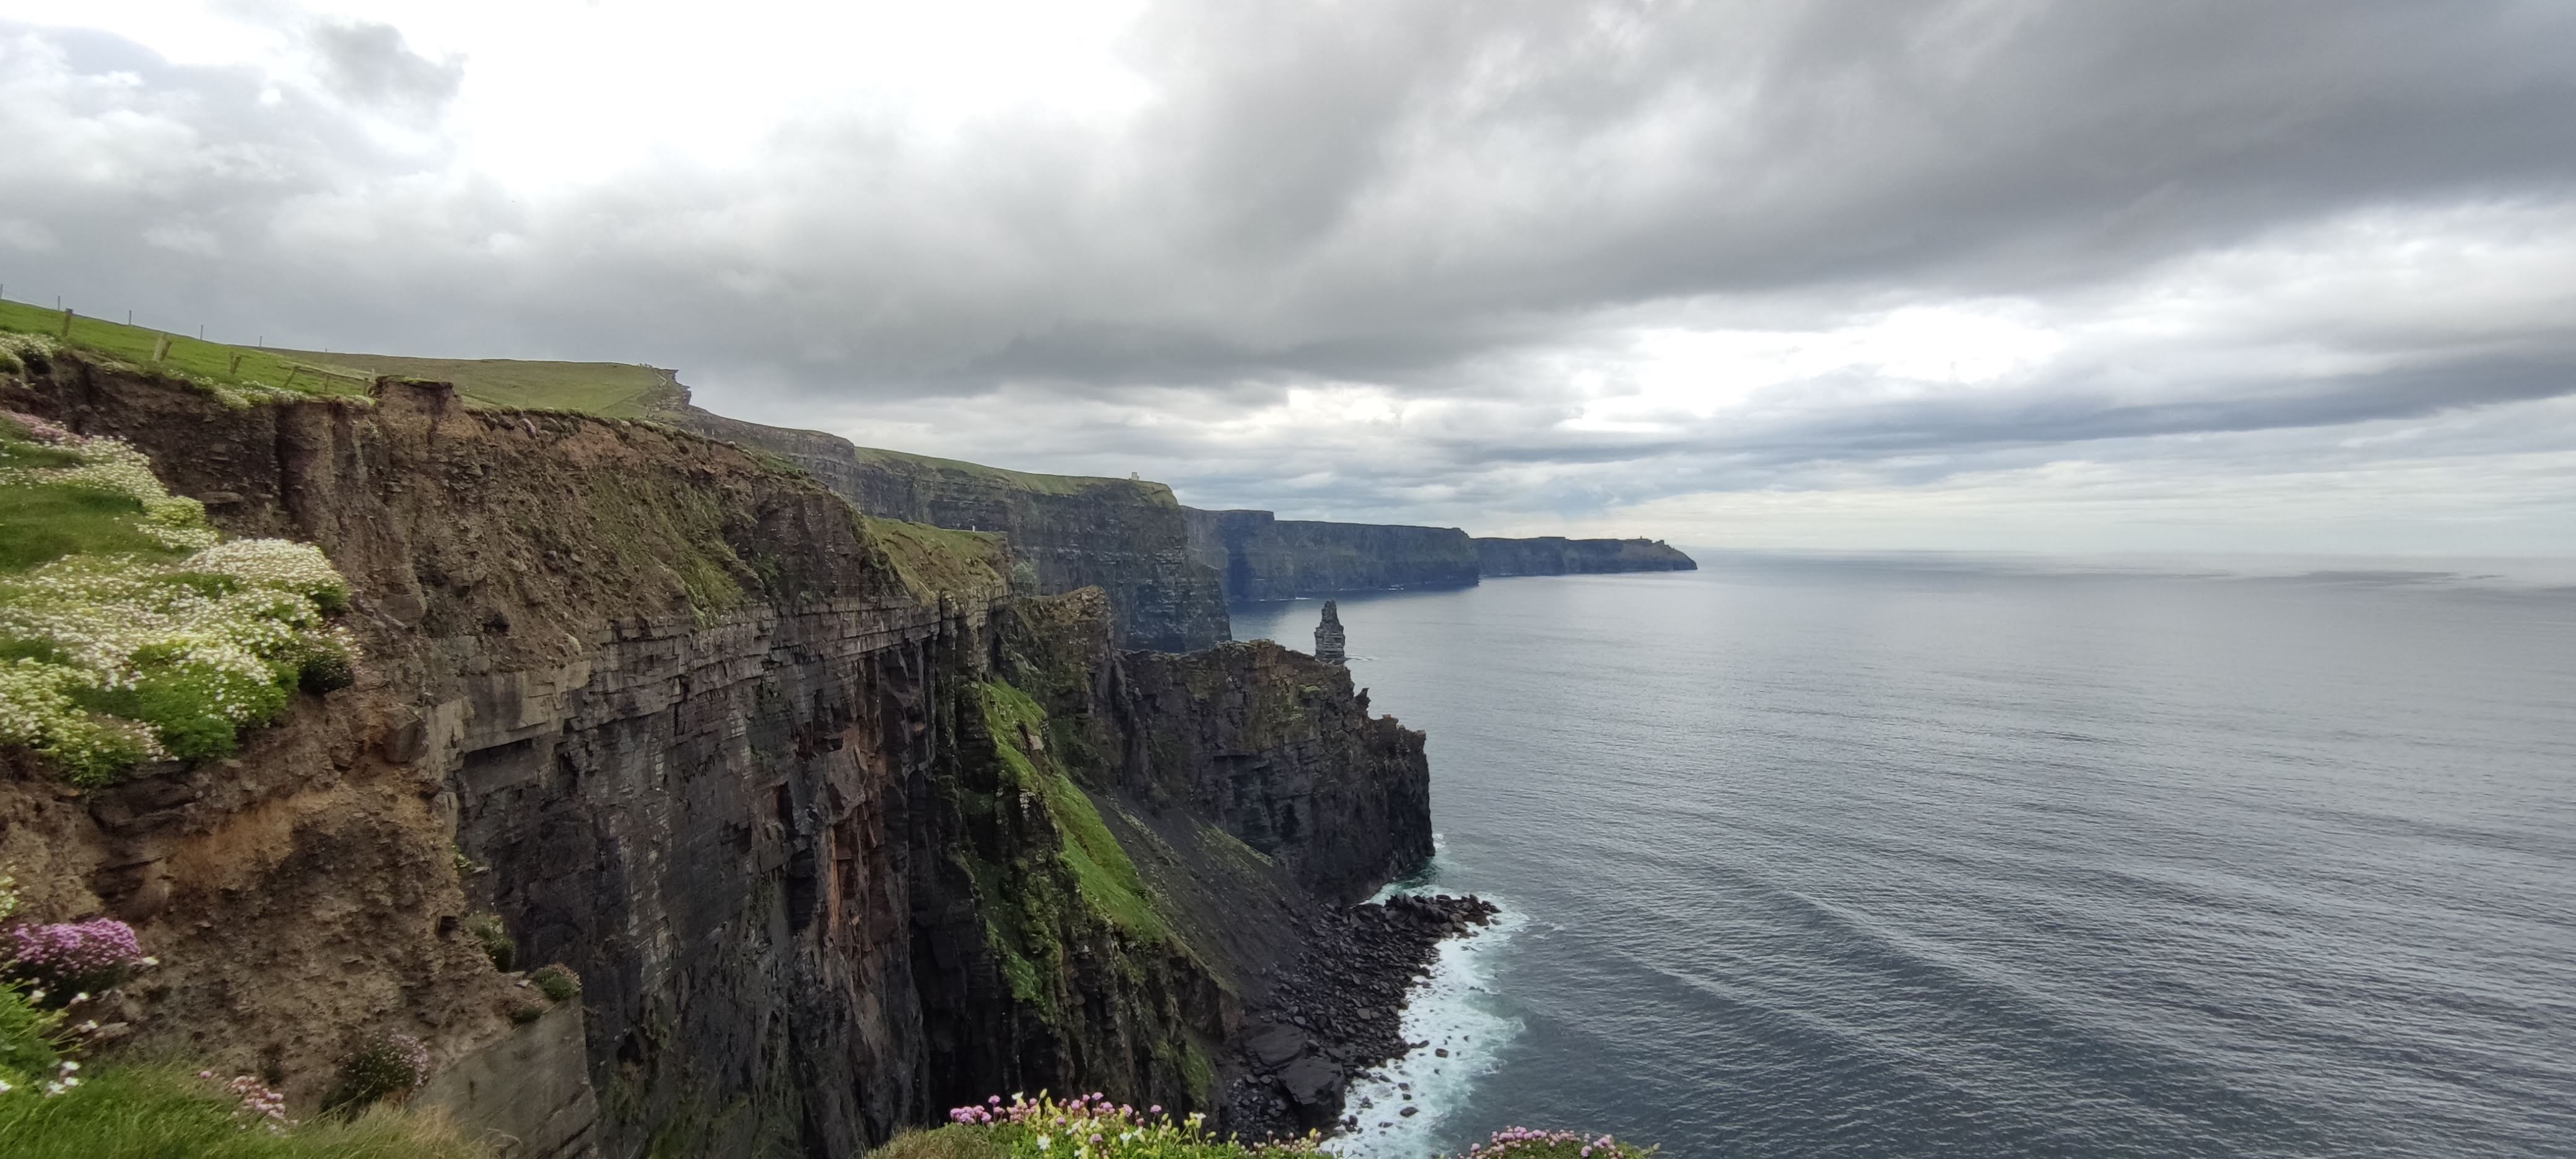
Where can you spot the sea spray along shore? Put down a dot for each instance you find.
(837, 823)
(1455, 1033)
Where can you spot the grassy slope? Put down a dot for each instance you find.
(936, 559)
(210, 361)
(40, 523)
(608, 389)
(1018, 480)
(155, 1113)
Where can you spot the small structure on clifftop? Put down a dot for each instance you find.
(1328, 636)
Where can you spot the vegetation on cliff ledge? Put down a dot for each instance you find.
(132, 631)
(1095, 1127)
(148, 1112)
(1101, 869)
(937, 560)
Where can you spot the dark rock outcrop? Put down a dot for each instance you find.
(1127, 537)
(1274, 745)
(1557, 555)
(1261, 557)
(1331, 642)
(1337, 1010)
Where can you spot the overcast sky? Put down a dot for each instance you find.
(2222, 276)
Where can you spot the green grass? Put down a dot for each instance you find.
(141, 1112)
(678, 530)
(606, 389)
(1101, 868)
(89, 560)
(1017, 480)
(43, 523)
(933, 560)
(949, 1142)
(208, 362)
(614, 390)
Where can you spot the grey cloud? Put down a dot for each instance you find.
(1448, 199)
(369, 63)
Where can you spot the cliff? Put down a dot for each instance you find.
(1557, 555)
(1124, 536)
(835, 829)
(1258, 556)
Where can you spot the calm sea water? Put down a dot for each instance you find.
(1947, 856)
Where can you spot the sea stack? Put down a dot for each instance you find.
(1328, 636)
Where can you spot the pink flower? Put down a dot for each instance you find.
(73, 955)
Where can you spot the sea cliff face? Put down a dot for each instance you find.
(1556, 555)
(1261, 557)
(835, 828)
(1124, 536)
(1258, 556)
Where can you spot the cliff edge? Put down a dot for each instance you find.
(835, 829)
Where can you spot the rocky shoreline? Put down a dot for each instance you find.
(1339, 1010)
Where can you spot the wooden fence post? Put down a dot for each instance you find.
(161, 349)
(236, 366)
(67, 323)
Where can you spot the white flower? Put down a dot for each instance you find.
(235, 620)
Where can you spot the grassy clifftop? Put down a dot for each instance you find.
(606, 389)
(614, 390)
(1015, 480)
(212, 364)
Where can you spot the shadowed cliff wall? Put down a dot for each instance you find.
(1258, 556)
(1556, 555)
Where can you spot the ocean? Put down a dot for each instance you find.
(1947, 855)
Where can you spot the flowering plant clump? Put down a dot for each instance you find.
(1092, 1127)
(112, 658)
(72, 956)
(261, 1104)
(390, 1064)
(26, 351)
(1526, 1143)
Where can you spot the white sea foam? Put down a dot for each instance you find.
(1453, 1009)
